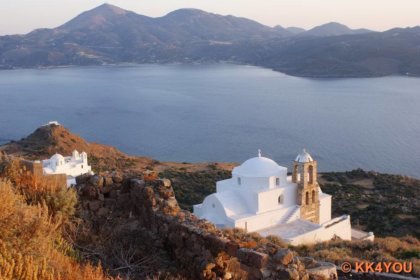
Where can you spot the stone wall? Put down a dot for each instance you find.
(200, 250)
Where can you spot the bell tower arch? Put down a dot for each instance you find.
(305, 176)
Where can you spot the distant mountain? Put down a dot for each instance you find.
(295, 30)
(108, 34)
(333, 29)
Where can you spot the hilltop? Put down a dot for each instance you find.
(47, 140)
(111, 35)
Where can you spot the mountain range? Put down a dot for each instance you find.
(111, 35)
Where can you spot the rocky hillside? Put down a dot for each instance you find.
(50, 139)
(123, 215)
(108, 34)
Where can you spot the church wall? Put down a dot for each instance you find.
(269, 200)
(215, 211)
(225, 185)
(250, 199)
(255, 183)
(263, 220)
(340, 227)
(324, 208)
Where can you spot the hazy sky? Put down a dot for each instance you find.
(22, 16)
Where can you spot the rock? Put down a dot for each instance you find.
(102, 212)
(95, 205)
(110, 202)
(113, 194)
(323, 270)
(283, 256)
(172, 203)
(257, 259)
(165, 183)
(89, 192)
(210, 266)
(293, 274)
(227, 276)
(97, 181)
(265, 273)
(108, 181)
(106, 189)
(82, 179)
(101, 197)
(117, 179)
(232, 248)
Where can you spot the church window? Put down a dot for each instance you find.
(239, 181)
(82, 166)
(311, 174)
(277, 181)
(213, 205)
(281, 199)
(307, 198)
(313, 196)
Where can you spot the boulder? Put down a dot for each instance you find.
(82, 179)
(95, 205)
(165, 183)
(283, 256)
(108, 181)
(89, 192)
(102, 212)
(117, 179)
(97, 181)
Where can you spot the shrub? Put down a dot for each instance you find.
(31, 246)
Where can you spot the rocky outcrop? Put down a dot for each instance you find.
(199, 249)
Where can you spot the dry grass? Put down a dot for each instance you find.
(389, 249)
(31, 246)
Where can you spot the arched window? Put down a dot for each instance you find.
(311, 174)
(281, 199)
(277, 181)
(307, 198)
(313, 196)
(239, 181)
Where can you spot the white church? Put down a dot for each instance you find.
(73, 166)
(261, 197)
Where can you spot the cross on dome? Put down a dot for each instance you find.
(259, 152)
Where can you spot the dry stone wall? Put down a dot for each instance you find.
(201, 251)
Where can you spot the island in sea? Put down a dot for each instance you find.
(111, 35)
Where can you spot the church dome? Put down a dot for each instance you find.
(57, 159)
(258, 167)
(304, 157)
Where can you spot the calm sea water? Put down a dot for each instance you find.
(223, 113)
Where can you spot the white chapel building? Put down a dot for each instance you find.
(261, 197)
(73, 166)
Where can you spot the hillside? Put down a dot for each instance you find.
(113, 215)
(47, 140)
(109, 35)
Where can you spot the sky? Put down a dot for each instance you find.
(23, 16)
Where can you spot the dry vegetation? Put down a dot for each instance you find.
(389, 249)
(33, 219)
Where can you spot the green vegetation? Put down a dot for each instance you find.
(388, 205)
(192, 187)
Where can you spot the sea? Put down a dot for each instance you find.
(222, 113)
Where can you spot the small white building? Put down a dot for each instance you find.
(73, 166)
(261, 197)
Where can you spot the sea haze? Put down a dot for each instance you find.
(223, 112)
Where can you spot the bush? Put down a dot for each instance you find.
(31, 246)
